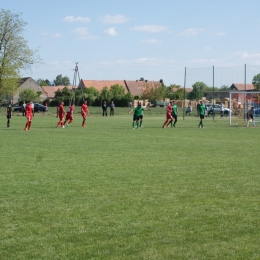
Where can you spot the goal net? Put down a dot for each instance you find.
(240, 103)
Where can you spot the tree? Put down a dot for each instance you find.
(117, 92)
(29, 95)
(174, 92)
(43, 82)
(105, 94)
(256, 81)
(15, 55)
(61, 81)
(154, 93)
(198, 90)
(128, 98)
(63, 95)
(224, 87)
(90, 94)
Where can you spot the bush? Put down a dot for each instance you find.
(54, 103)
(47, 100)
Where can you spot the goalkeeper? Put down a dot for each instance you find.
(250, 116)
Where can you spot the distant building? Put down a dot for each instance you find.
(50, 90)
(28, 83)
(135, 87)
(225, 94)
(242, 87)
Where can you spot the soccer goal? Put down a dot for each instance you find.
(241, 103)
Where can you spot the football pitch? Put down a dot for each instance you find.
(112, 192)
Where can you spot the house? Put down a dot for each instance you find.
(240, 98)
(225, 94)
(100, 84)
(135, 87)
(242, 87)
(50, 90)
(217, 95)
(28, 83)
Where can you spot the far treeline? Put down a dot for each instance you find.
(116, 93)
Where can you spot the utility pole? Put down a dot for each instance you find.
(76, 79)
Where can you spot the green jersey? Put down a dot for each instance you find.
(202, 109)
(138, 111)
(174, 110)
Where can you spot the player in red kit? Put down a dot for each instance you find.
(69, 115)
(29, 115)
(84, 112)
(169, 117)
(60, 113)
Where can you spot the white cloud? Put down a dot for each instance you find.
(202, 61)
(147, 61)
(83, 34)
(116, 19)
(247, 55)
(150, 28)
(110, 31)
(219, 34)
(208, 48)
(191, 32)
(72, 19)
(51, 35)
(151, 41)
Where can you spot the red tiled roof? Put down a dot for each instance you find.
(50, 90)
(136, 87)
(100, 84)
(241, 87)
(188, 90)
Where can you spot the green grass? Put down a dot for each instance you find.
(110, 192)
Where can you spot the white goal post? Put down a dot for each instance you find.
(239, 104)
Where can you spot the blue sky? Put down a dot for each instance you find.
(120, 39)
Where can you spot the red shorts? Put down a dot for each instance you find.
(61, 117)
(69, 117)
(29, 117)
(169, 116)
(84, 115)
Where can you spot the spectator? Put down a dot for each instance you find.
(198, 109)
(23, 108)
(104, 108)
(112, 108)
(221, 110)
(189, 110)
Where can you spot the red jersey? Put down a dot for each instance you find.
(60, 109)
(169, 109)
(28, 110)
(84, 108)
(70, 110)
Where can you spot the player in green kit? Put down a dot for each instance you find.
(174, 114)
(202, 110)
(138, 112)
